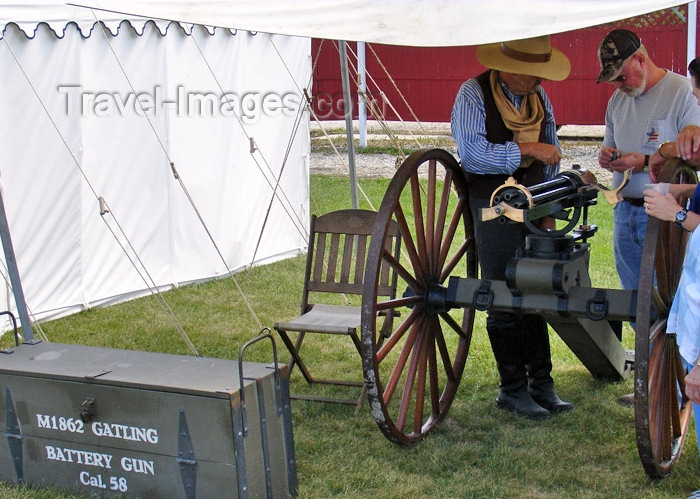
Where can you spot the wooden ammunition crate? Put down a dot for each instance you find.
(101, 421)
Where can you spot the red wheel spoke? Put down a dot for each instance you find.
(670, 390)
(663, 271)
(410, 246)
(401, 363)
(655, 362)
(420, 384)
(455, 259)
(680, 377)
(669, 265)
(657, 330)
(430, 219)
(454, 325)
(403, 272)
(661, 402)
(659, 430)
(451, 231)
(445, 356)
(660, 306)
(674, 364)
(442, 216)
(409, 383)
(399, 302)
(418, 220)
(397, 335)
(434, 382)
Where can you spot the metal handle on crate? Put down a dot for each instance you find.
(14, 327)
(278, 395)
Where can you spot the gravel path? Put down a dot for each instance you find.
(580, 146)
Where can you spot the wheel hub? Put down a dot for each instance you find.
(435, 299)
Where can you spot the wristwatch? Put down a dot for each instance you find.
(681, 216)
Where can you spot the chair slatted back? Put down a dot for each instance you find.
(337, 254)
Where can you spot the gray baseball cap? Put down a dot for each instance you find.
(613, 51)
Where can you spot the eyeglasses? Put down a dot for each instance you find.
(623, 77)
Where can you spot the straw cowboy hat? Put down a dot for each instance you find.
(531, 56)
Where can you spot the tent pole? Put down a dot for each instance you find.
(13, 272)
(692, 27)
(347, 101)
(362, 89)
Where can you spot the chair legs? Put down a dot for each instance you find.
(294, 349)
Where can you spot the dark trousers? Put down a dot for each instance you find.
(520, 341)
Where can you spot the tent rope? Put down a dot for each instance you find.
(398, 91)
(72, 155)
(309, 105)
(330, 141)
(383, 123)
(276, 191)
(312, 113)
(172, 165)
(309, 101)
(266, 174)
(377, 114)
(295, 129)
(150, 284)
(176, 174)
(374, 110)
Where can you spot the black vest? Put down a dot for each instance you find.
(498, 133)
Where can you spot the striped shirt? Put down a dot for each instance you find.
(477, 154)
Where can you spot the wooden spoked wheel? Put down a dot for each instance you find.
(662, 411)
(413, 374)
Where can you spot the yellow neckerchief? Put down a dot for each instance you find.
(525, 123)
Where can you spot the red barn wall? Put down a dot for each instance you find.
(429, 78)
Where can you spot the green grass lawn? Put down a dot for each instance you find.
(478, 451)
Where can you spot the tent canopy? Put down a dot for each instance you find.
(93, 126)
(425, 23)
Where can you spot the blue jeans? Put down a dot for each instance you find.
(628, 242)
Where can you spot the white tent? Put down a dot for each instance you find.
(91, 116)
(55, 169)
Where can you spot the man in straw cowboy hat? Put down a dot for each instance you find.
(503, 123)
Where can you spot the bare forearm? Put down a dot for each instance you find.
(665, 207)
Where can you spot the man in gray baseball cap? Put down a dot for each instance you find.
(650, 106)
(613, 51)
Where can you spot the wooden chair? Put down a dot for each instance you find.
(335, 264)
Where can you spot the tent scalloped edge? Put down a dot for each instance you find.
(87, 28)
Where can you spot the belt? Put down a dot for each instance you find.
(634, 201)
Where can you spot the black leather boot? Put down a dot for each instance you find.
(514, 394)
(541, 387)
(545, 396)
(539, 368)
(506, 336)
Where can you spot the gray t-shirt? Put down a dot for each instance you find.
(641, 124)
